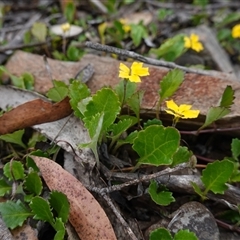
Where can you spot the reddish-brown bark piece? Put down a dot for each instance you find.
(86, 215)
(33, 112)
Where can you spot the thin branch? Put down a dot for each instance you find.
(149, 177)
(119, 216)
(136, 56)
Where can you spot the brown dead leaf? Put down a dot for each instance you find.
(86, 215)
(34, 112)
(24, 232)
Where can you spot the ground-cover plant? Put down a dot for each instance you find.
(23, 185)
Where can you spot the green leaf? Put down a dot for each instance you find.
(198, 190)
(77, 92)
(235, 147)
(105, 101)
(121, 126)
(134, 102)
(17, 81)
(15, 137)
(69, 12)
(214, 114)
(14, 213)
(60, 204)
(33, 183)
(4, 187)
(60, 229)
(216, 174)
(28, 80)
(129, 139)
(171, 49)
(94, 129)
(117, 129)
(186, 235)
(162, 198)
(150, 122)
(133, 118)
(41, 210)
(182, 155)
(227, 97)
(39, 30)
(170, 83)
(74, 53)
(58, 92)
(14, 170)
(125, 86)
(161, 234)
(138, 32)
(156, 145)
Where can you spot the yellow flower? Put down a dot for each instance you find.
(182, 111)
(65, 27)
(125, 26)
(193, 43)
(135, 73)
(236, 31)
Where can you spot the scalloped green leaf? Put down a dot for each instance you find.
(4, 187)
(216, 175)
(156, 145)
(227, 97)
(58, 92)
(235, 147)
(170, 83)
(33, 183)
(182, 155)
(15, 137)
(41, 209)
(214, 114)
(163, 198)
(104, 101)
(160, 234)
(185, 234)
(150, 122)
(14, 213)
(60, 204)
(118, 128)
(14, 170)
(77, 92)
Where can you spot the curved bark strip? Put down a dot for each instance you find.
(33, 112)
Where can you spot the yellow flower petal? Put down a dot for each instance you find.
(236, 31)
(193, 43)
(191, 114)
(187, 42)
(137, 69)
(123, 71)
(172, 105)
(194, 37)
(184, 107)
(182, 111)
(134, 78)
(65, 27)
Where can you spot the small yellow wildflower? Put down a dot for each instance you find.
(125, 26)
(193, 43)
(236, 31)
(137, 71)
(65, 27)
(182, 111)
